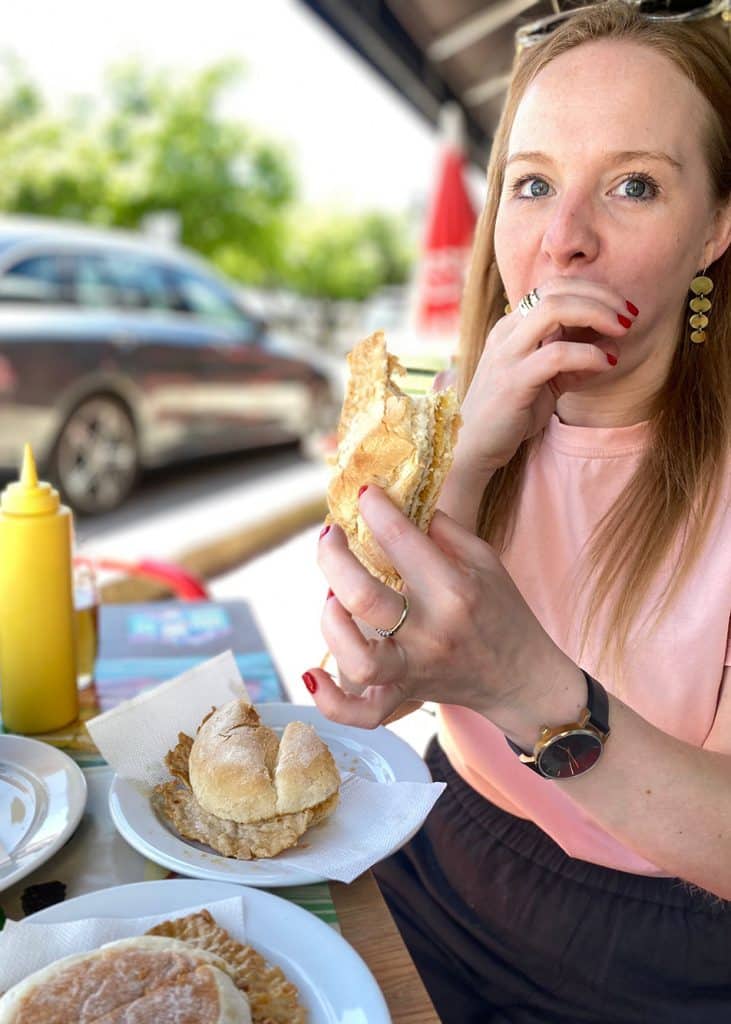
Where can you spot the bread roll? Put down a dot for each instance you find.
(306, 774)
(137, 980)
(240, 771)
(232, 762)
(401, 443)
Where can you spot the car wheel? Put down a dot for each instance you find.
(96, 460)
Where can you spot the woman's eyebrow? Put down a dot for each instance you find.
(624, 156)
(532, 156)
(629, 155)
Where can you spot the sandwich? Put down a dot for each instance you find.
(187, 970)
(402, 443)
(241, 789)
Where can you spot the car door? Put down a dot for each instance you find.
(35, 364)
(156, 349)
(252, 395)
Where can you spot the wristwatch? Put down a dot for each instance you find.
(565, 751)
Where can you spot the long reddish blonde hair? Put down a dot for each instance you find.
(675, 488)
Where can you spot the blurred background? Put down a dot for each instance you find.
(201, 211)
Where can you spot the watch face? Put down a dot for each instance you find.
(570, 755)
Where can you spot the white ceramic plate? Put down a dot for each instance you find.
(334, 983)
(42, 798)
(378, 755)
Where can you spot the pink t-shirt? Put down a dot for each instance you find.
(671, 677)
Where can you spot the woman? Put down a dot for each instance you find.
(578, 576)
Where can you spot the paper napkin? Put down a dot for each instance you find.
(372, 818)
(25, 946)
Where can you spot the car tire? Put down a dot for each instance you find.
(95, 459)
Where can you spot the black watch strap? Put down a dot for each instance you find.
(597, 703)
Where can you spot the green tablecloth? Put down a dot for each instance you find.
(96, 857)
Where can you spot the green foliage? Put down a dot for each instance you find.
(153, 143)
(348, 256)
(20, 99)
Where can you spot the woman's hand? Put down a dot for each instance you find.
(528, 362)
(469, 637)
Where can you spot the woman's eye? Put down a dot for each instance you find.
(531, 188)
(638, 188)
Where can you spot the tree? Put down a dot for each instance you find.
(341, 256)
(153, 143)
(159, 145)
(346, 256)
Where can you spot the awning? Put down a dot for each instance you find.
(434, 51)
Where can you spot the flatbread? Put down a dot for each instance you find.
(272, 998)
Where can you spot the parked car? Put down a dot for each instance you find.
(118, 353)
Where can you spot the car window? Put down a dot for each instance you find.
(121, 281)
(205, 298)
(36, 279)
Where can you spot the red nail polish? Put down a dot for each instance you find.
(310, 682)
(324, 530)
(624, 320)
(631, 307)
(612, 360)
(330, 594)
(363, 488)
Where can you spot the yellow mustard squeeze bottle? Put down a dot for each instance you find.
(37, 639)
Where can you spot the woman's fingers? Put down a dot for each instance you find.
(362, 662)
(364, 711)
(422, 564)
(558, 311)
(562, 357)
(581, 287)
(365, 597)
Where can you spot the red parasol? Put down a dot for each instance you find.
(450, 226)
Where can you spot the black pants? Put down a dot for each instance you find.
(506, 929)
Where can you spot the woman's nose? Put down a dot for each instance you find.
(571, 234)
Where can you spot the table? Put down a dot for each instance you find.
(366, 923)
(82, 866)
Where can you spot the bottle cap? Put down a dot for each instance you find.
(29, 496)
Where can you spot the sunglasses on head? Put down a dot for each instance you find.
(654, 10)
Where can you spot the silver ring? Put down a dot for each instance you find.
(529, 302)
(387, 633)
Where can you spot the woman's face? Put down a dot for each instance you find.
(606, 180)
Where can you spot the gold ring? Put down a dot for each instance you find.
(387, 633)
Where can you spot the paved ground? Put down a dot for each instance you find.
(179, 509)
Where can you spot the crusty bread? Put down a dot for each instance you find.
(239, 770)
(241, 790)
(403, 444)
(306, 774)
(147, 978)
(232, 763)
(273, 999)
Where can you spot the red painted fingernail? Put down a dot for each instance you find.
(324, 530)
(310, 682)
(330, 594)
(363, 488)
(624, 320)
(631, 307)
(612, 360)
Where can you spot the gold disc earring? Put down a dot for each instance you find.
(701, 286)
